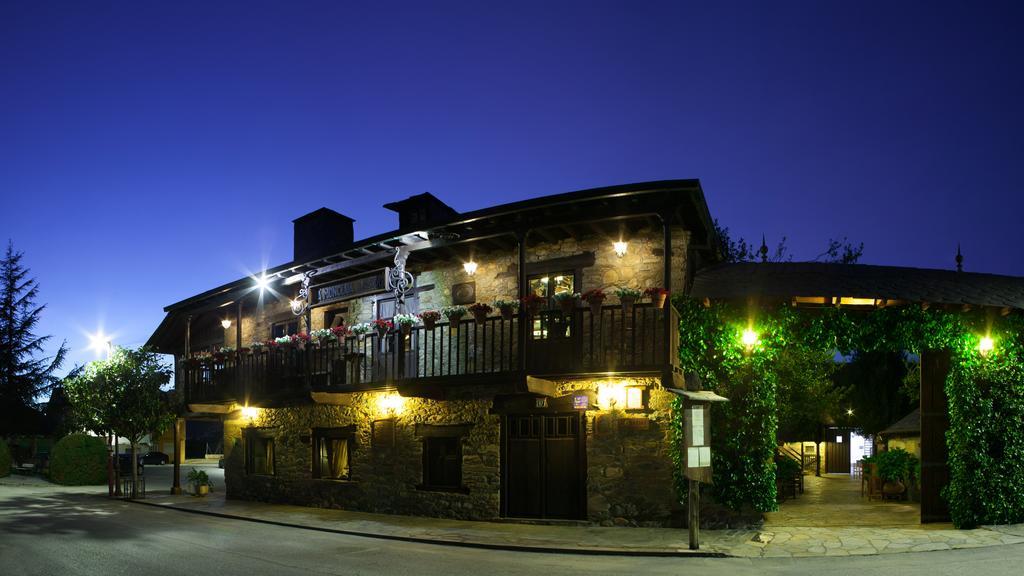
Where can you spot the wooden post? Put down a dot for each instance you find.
(523, 332)
(178, 439)
(238, 327)
(934, 425)
(693, 512)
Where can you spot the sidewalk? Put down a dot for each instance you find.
(494, 535)
(772, 541)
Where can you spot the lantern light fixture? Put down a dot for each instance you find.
(391, 403)
(469, 267)
(250, 413)
(620, 248)
(225, 323)
(986, 345)
(849, 411)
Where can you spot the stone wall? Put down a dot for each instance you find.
(629, 469)
(383, 479)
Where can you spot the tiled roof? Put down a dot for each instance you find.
(809, 279)
(909, 424)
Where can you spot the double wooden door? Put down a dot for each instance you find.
(544, 472)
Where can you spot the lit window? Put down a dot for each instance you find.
(634, 398)
(331, 450)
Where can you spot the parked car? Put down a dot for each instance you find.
(154, 458)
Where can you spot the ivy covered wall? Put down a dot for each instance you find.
(985, 391)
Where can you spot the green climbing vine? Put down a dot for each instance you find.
(985, 391)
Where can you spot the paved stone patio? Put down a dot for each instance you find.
(831, 518)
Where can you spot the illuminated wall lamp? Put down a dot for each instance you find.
(469, 267)
(986, 345)
(749, 339)
(620, 248)
(225, 323)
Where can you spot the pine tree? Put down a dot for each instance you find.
(26, 372)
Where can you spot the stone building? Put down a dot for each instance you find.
(554, 409)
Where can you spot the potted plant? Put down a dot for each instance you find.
(454, 315)
(657, 295)
(200, 482)
(405, 322)
(507, 308)
(283, 342)
(532, 303)
(894, 469)
(382, 326)
(340, 332)
(257, 347)
(321, 336)
(595, 299)
(361, 329)
(430, 318)
(480, 312)
(627, 297)
(566, 301)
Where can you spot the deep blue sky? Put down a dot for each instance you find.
(152, 150)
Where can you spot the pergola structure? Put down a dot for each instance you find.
(865, 287)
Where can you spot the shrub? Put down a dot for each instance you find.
(5, 459)
(79, 460)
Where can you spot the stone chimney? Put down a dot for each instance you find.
(321, 233)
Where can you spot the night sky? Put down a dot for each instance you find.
(153, 150)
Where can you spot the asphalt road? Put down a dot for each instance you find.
(50, 532)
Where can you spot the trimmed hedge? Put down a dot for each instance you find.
(5, 459)
(79, 460)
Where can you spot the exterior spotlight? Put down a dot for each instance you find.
(225, 323)
(262, 282)
(469, 267)
(620, 248)
(849, 411)
(749, 338)
(391, 403)
(986, 345)
(250, 413)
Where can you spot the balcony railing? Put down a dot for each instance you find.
(582, 341)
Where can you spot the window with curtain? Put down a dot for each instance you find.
(332, 448)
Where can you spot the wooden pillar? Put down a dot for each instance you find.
(693, 513)
(666, 223)
(179, 440)
(524, 317)
(238, 326)
(934, 424)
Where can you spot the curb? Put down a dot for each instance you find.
(478, 545)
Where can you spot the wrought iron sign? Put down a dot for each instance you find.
(301, 303)
(398, 280)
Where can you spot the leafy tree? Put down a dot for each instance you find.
(807, 395)
(875, 380)
(122, 395)
(740, 250)
(25, 372)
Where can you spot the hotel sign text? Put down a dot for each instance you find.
(351, 288)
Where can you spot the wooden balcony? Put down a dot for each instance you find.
(557, 344)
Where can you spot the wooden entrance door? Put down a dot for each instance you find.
(544, 472)
(934, 425)
(837, 451)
